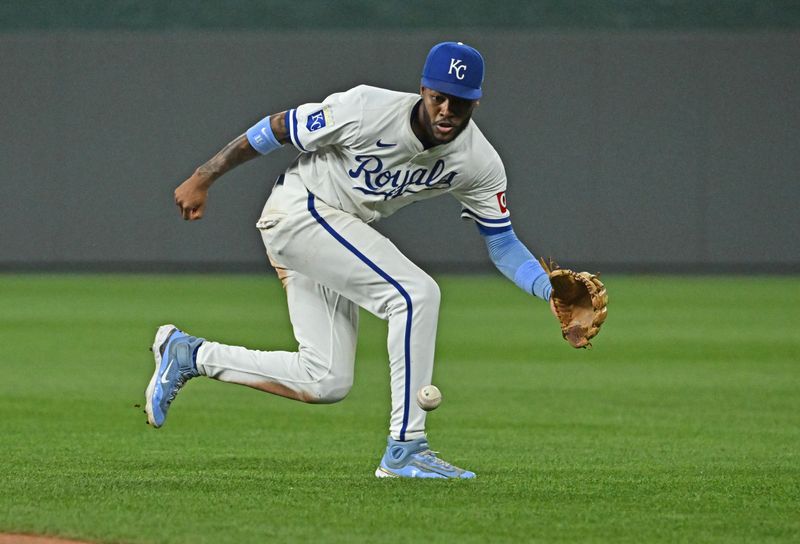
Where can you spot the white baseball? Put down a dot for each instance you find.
(429, 397)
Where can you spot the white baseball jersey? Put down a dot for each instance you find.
(359, 154)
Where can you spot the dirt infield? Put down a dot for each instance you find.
(33, 539)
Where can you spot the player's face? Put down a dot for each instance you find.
(443, 116)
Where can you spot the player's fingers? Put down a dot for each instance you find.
(196, 213)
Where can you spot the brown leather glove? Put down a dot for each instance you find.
(580, 302)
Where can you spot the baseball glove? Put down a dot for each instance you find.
(580, 303)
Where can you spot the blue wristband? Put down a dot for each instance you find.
(261, 137)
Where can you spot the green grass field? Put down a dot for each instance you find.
(681, 425)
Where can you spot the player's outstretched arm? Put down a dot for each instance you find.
(192, 194)
(516, 262)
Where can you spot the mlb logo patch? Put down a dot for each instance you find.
(318, 119)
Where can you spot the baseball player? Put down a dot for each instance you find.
(363, 154)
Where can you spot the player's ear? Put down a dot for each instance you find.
(421, 90)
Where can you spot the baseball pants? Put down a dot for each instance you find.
(331, 262)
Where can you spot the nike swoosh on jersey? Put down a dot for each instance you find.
(381, 144)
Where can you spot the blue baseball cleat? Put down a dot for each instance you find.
(413, 459)
(174, 352)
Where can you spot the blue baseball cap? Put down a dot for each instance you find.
(454, 68)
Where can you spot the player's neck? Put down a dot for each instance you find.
(418, 127)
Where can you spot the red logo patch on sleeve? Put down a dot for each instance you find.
(501, 201)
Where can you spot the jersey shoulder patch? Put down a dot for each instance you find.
(319, 119)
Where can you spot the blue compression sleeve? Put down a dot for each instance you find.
(516, 262)
(262, 138)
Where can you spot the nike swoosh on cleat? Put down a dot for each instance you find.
(164, 378)
(381, 144)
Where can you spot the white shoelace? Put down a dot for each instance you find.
(430, 456)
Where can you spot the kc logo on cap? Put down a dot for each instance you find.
(457, 67)
(454, 68)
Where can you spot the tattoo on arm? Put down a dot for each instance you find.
(277, 123)
(229, 157)
(239, 150)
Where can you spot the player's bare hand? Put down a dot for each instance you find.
(191, 196)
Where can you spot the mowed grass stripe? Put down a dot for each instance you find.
(680, 425)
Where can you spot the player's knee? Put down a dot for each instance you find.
(421, 292)
(328, 380)
(329, 390)
(426, 293)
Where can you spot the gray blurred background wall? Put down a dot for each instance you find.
(659, 136)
